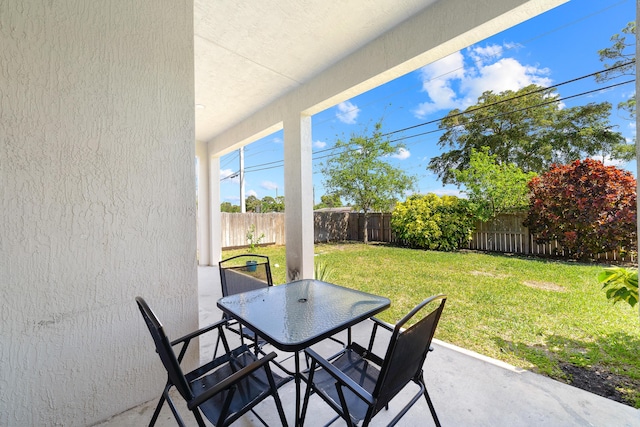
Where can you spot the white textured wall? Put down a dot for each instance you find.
(96, 202)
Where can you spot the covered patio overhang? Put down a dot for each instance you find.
(273, 66)
(98, 126)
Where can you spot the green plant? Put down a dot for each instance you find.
(493, 187)
(252, 239)
(621, 284)
(589, 208)
(431, 222)
(322, 271)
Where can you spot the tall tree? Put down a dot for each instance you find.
(270, 204)
(493, 188)
(359, 171)
(622, 53)
(252, 204)
(329, 201)
(228, 207)
(525, 128)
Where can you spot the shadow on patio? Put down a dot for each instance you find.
(467, 390)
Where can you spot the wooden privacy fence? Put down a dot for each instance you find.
(328, 227)
(504, 234)
(234, 228)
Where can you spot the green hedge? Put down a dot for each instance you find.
(431, 222)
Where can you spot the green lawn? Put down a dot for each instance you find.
(546, 316)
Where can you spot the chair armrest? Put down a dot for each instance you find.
(199, 332)
(383, 324)
(377, 322)
(340, 376)
(231, 380)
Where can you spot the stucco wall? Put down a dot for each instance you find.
(96, 200)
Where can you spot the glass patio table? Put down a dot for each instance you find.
(296, 315)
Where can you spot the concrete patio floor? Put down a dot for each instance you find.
(467, 389)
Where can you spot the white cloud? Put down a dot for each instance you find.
(277, 140)
(402, 154)
(268, 185)
(446, 192)
(225, 173)
(319, 144)
(505, 74)
(347, 112)
(251, 193)
(453, 82)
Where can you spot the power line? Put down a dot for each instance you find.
(280, 163)
(542, 89)
(516, 111)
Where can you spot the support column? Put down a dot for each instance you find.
(204, 218)
(637, 147)
(214, 209)
(298, 191)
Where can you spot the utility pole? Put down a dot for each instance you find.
(243, 207)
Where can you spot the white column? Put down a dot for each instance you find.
(204, 218)
(637, 147)
(298, 192)
(243, 206)
(214, 210)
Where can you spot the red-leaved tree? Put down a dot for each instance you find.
(589, 208)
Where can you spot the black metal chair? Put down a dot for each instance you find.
(221, 390)
(358, 384)
(243, 273)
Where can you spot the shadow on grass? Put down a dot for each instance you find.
(608, 366)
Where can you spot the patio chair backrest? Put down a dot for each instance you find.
(244, 273)
(407, 351)
(165, 350)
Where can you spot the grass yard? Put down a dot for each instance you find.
(546, 316)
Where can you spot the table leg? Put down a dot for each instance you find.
(298, 421)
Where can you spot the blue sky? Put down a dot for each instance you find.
(552, 48)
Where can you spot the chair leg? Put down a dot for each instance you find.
(307, 393)
(276, 396)
(175, 411)
(429, 402)
(345, 408)
(198, 416)
(157, 411)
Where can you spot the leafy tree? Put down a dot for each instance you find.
(329, 201)
(431, 222)
(252, 204)
(228, 207)
(269, 204)
(493, 188)
(589, 208)
(279, 204)
(359, 171)
(623, 54)
(525, 128)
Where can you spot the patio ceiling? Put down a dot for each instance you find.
(249, 53)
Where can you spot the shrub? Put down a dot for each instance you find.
(589, 208)
(431, 222)
(621, 284)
